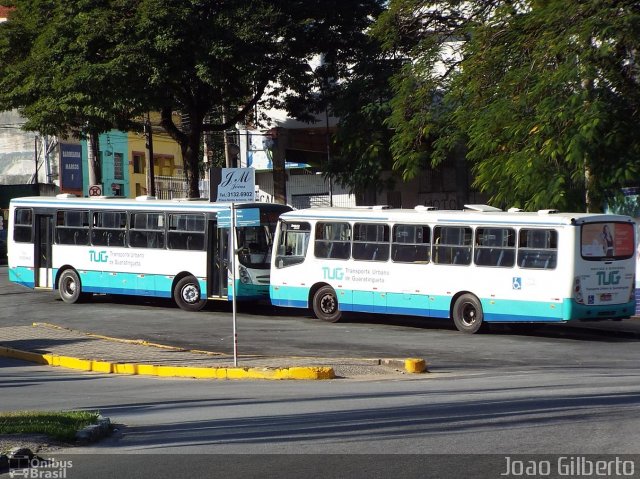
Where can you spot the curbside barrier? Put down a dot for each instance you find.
(299, 372)
(415, 365)
(410, 365)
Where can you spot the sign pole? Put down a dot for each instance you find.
(228, 185)
(233, 282)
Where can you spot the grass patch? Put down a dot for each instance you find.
(61, 425)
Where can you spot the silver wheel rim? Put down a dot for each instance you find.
(469, 314)
(190, 294)
(328, 304)
(69, 286)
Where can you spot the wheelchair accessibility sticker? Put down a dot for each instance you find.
(517, 282)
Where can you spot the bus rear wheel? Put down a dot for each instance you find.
(187, 294)
(70, 287)
(325, 305)
(467, 314)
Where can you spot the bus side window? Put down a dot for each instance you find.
(72, 227)
(538, 248)
(411, 244)
(146, 230)
(332, 240)
(22, 229)
(108, 228)
(370, 242)
(186, 231)
(292, 244)
(452, 245)
(494, 247)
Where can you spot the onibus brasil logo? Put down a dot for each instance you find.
(37, 467)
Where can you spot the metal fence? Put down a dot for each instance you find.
(169, 187)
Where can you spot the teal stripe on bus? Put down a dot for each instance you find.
(104, 282)
(494, 310)
(250, 291)
(23, 276)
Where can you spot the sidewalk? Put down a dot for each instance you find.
(44, 343)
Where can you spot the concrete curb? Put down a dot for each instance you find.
(114, 365)
(106, 367)
(94, 432)
(17, 456)
(410, 365)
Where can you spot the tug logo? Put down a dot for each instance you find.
(332, 273)
(612, 278)
(98, 256)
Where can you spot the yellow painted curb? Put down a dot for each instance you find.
(414, 365)
(308, 373)
(411, 365)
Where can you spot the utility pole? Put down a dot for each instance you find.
(93, 161)
(328, 141)
(151, 180)
(225, 140)
(35, 174)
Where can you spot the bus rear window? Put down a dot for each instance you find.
(606, 241)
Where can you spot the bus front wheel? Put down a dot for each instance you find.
(467, 314)
(325, 305)
(70, 287)
(187, 294)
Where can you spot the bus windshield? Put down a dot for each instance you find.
(607, 241)
(254, 246)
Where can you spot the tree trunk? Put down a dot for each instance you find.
(281, 139)
(591, 198)
(191, 158)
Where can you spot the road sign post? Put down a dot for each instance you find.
(231, 185)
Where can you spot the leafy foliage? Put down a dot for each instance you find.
(95, 64)
(362, 105)
(543, 94)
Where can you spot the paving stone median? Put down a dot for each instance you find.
(47, 344)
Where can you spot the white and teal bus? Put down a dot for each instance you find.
(147, 247)
(474, 266)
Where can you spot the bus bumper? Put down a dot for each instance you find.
(573, 310)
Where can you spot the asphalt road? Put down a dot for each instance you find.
(284, 332)
(563, 389)
(447, 427)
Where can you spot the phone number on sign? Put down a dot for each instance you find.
(236, 194)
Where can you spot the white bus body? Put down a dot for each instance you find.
(471, 266)
(160, 248)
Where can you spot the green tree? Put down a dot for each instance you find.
(543, 95)
(95, 64)
(361, 103)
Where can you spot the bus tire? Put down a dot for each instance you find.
(467, 314)
(187, 294)
(325, 305)
(70, 287)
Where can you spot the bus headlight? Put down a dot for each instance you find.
(577, 291)
(245, 277)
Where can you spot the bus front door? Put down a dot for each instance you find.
(43, 240)
(217, 261)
